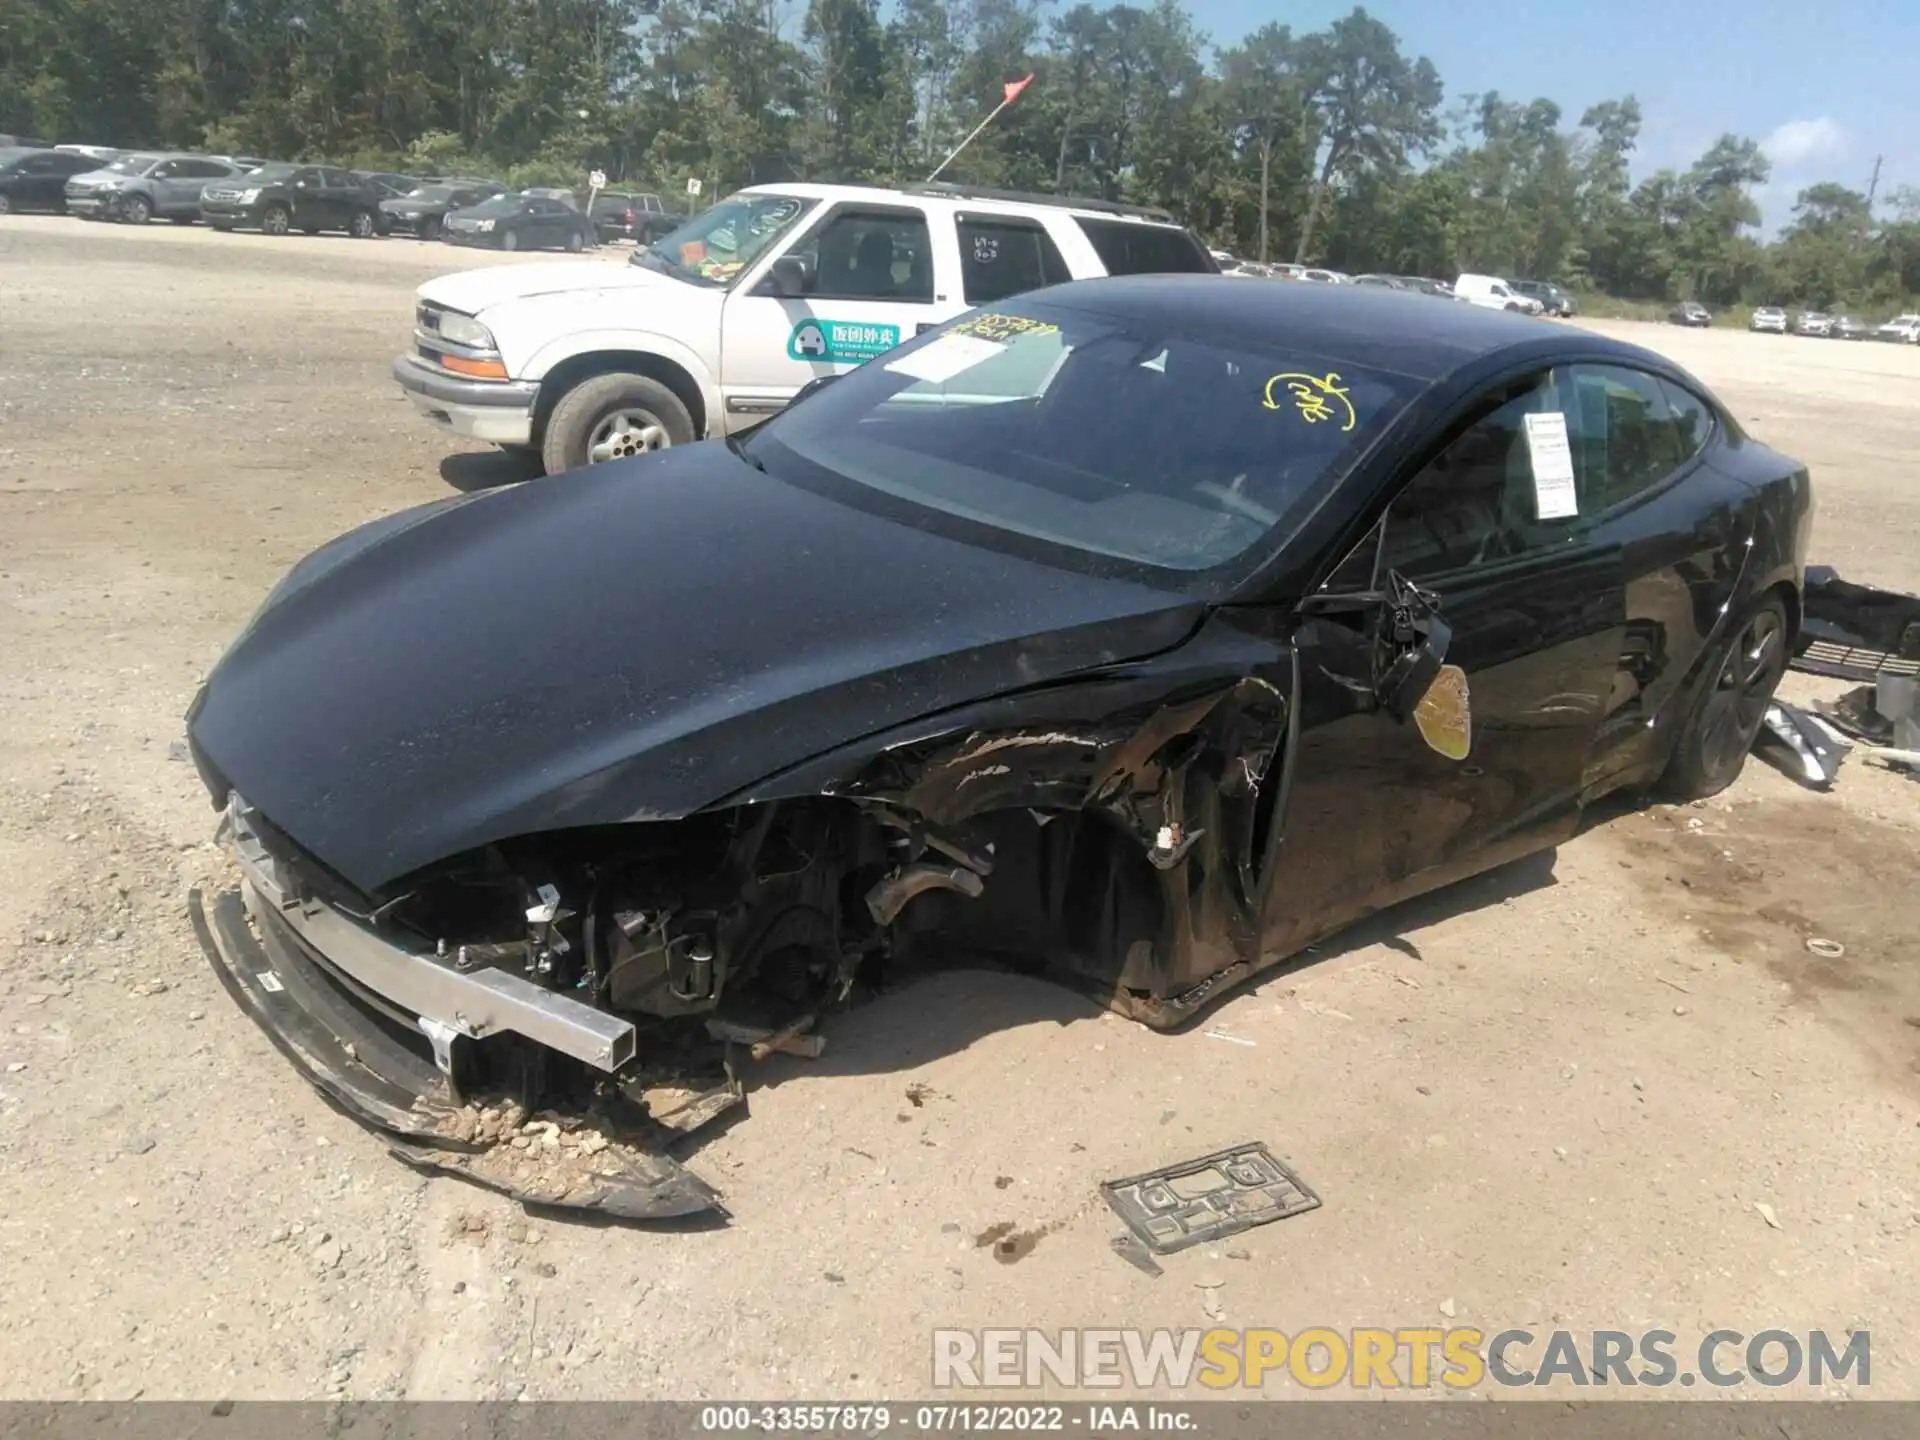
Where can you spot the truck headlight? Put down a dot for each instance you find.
(484, 225)
(465, 330)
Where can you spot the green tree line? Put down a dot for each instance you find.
(1334, 146)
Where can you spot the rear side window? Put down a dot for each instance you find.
(999, 258)
(1691, 416)
(1627, 434)
(1131, 248)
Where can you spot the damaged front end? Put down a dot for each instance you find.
(610, 973)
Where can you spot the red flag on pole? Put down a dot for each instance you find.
(1014, 87)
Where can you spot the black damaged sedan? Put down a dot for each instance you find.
(1137, 631)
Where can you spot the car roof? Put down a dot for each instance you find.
(1390, 330)
(962, 198)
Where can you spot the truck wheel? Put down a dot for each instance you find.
(136, 209)
(613, 417)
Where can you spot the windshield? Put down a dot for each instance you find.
(498, 205)
(274, 172)
(1005, 422)
(431, 192)
(132, 165)
(717, 244)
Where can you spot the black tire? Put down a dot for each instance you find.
(275, 220)
(576, 242)
(1712, 746)
(136, 209)
(225, 227)
(428, 229)
(596, 401)
(361, 225)
(509, 240)
(6, 205)
(309, 229)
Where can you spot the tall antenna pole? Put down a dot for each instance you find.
(1012, 93)
(1873, 188)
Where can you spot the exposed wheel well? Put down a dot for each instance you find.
(569, 373)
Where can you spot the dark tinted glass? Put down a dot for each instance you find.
(998, 259)
(1129, 248)
(1008, 420)
(1625, 435)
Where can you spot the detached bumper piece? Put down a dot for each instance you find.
(1855, 632)
(378, 1030)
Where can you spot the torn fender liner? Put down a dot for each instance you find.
(1194, 1201)
(348, 1057)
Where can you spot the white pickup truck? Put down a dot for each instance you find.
(719, 324)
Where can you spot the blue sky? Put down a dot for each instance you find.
(1825, 87)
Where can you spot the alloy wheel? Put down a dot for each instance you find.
(1737, 705)
(625, 433)
(274, 222)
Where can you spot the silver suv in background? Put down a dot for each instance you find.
(136, 188)
(1768, 320)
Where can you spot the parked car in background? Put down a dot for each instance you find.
(276, 199)
(1813, 322)
(1553, 300)
(1381, 282)
(422, 209)
(1768, 320)
(1287, 270)
(139, 188)
(616, 215)
(23, 142)
(518, 222)
(37, 179)
(722, 323)
(99, 154)
(242, 163)
(1850, 327)
(1902, 328)
(569, 198)
(1425, 286)
(386, 182)
(1327, 277)
(1490, 292)
(1690, 313)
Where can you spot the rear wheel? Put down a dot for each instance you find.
(275, 220)
(613, 417)
(576, 242)
(1726, 720)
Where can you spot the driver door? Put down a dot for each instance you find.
(874, 278)
(1536, 608)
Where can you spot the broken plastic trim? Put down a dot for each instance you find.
(1816, 751)
(1855, 632)
(1193, 1201)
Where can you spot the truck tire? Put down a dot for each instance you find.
(613, 417)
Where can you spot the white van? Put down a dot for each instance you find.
(1493, 293)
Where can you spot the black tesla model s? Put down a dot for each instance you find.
(1142, 631)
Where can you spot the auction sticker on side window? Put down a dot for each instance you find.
(1552, 460)
(938, 361)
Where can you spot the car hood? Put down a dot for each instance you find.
(471, 291)
(626, 642)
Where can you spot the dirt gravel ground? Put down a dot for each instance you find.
(1554, 1097)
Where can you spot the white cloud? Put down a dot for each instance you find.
(1806, 142)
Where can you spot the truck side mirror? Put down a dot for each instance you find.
(787, 277)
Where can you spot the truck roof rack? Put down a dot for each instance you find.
(1026, 197)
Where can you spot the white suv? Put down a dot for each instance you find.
(722, 322)
(1768, 319)
(1902, 328)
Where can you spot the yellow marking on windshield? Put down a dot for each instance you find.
(1002, 327)
(1313, 397)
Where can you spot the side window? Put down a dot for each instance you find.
(1474, 502)
(207, 169)
(1691, 416)
(1626, 437)
(1133, 247)
(871, 256)
(999, 258)
(165, 170)
(308, 176)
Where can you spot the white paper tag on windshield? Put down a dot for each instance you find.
(1551, 456)
(938, 361)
